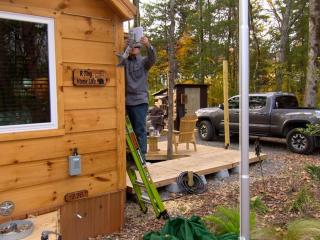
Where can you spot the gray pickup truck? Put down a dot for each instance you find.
(274, 114)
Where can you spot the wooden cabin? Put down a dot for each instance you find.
(61, 92)
(187, 99)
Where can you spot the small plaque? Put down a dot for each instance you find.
(89, 77)
(74, 196)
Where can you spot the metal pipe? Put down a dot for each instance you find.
(244, 119)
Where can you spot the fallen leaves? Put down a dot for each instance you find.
(284, 177)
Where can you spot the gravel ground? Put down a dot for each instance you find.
(283, 176)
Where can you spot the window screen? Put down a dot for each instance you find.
(24, 73)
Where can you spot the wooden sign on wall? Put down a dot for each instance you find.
(73, 196)
(89, 77)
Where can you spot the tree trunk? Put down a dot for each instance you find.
(235, 51)
(230, 35)
(137, 16)
(172, 69)
(209, 19)
(283, 44)
(201, 68)
(257, 47)
(313, 68)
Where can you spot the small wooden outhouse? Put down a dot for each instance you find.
(61, 94)
(187, 99)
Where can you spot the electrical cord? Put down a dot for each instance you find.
(198, 187)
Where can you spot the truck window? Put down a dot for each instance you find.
(283, 102)
(234, 103)
(257, 102)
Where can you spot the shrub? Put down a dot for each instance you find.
(258, 205)
(227, 220)
(311, 129)
(266, 234)
(303, 230)
(314, 171)
(302, 200)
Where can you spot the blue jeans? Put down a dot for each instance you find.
(138, 115)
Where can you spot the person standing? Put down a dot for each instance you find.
(156, 117)
(136, 75)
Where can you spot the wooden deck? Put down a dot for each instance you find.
(205, 161)
(45, 222)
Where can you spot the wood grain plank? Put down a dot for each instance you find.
(104, 215)
(206, 160)
(84, 28)
(48, 148)
(97, 8)
(59, 71)
(9, 6)
(125, 9)
(89, 97)
(120, 111)
(51, 195)
(34, 173)
(79, 51)
(45, 222)
(69, 67)
(119, 201)
(90, 120)
(26, 177)
(4, 137)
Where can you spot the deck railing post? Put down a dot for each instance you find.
(226, 104)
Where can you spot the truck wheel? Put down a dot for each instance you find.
(299, 142)
(206, 131)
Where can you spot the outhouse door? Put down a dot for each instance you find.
(193, 100)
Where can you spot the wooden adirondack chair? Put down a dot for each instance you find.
(186, 133)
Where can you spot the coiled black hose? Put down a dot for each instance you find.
(198, 187)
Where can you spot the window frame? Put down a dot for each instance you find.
(53, 124)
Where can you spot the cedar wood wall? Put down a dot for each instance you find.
(33, 166)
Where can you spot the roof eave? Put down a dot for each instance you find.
(126, 9)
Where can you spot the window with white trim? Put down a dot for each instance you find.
(28, 96)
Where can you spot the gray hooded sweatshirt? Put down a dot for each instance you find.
(136, 74)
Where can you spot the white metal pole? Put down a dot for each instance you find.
(244, 119)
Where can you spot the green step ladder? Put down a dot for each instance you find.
(145, 189)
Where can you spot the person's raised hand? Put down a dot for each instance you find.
(145, 41)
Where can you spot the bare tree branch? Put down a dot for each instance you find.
(274, 10)
(293, 20)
